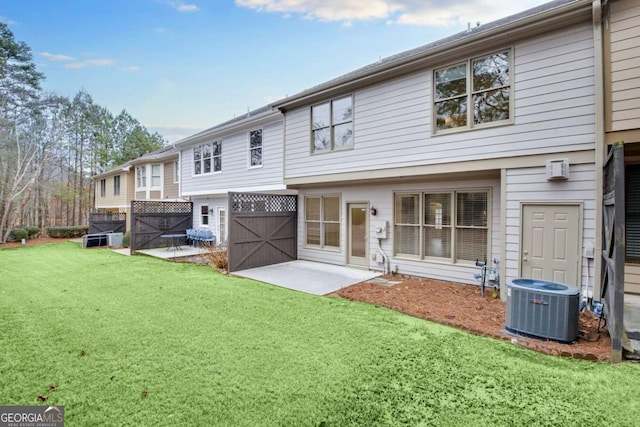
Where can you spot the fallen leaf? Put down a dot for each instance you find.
(145, 394)
(42, 398)
(53, 388)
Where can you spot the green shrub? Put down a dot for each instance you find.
(68, 232)
(126, 239)
(18, 234)
(32, 231)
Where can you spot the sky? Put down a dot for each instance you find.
(180, 67)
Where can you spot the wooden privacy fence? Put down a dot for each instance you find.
(262, 229)
(152, 219)
(613, 255)
(100, 222)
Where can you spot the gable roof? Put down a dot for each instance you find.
(162, 153)
(546, 17)
(251, 119)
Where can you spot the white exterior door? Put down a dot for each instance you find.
(357, 234)
(551, 247)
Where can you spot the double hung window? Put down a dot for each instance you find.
(156, 176)
(116, 185)
(322, 221)
(141, 177)
(207, 158)
(332, 125)
(473, 93)
(255, 148)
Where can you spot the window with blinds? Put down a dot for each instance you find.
(450, 226)
(632, 213)
(322, 221)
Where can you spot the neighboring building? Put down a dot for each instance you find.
(241, 155)
(478, 146)
(153, 176)
(622, 116)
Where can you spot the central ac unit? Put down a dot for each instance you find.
(543, 309)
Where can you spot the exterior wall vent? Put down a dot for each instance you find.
(543, 309)
(557, 169)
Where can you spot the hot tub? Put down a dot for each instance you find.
(543, 309)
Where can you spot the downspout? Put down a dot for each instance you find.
(600, 152)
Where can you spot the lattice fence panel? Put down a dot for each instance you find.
(160, 207)
(254, 202)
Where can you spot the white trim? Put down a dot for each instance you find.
(249, 166)
(275, 187)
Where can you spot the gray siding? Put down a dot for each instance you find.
(554, 107)
(236, 175)
(530, 185)
(382, 198)
(625, 57)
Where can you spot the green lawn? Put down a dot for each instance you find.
(140, 341)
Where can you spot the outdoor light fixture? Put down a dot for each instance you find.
(373, 211)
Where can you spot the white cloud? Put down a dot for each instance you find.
(325, 10)
(181, 7)
(130, 69)
(56, 57)
(404, 12)
(8, 21)
(102, 62)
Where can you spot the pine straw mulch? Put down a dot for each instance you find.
(462, 307)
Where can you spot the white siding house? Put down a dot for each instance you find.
(242, 155)
(478, 146)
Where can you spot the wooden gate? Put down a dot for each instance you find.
(152, 219)
(100, 222)
(262, 230)
(613, 254)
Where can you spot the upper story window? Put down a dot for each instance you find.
(207, 158)
(255, 148)
(216, 155)
(141, 177)
(473, 93)
(156, 176)
(116, 185)
(103, 187)
(176, 171)
(332, 125)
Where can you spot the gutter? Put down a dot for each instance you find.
(558, 17)
(230, 127)
(600, 149)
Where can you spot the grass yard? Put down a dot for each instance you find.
(141, 341)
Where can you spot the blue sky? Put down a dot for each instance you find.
(181, 67)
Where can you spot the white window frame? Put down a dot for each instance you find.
(141, 177)
(469, 94)
(454, 226)
(252, 149)
(159, 168)
(103, 187)
(215, 156)
(202, 160)
(204, 215)
(222, 225)
(331, 126)
(176, 171)
(116, 185)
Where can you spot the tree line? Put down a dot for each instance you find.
(51, 145)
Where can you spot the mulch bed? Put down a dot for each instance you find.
(462, 307)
